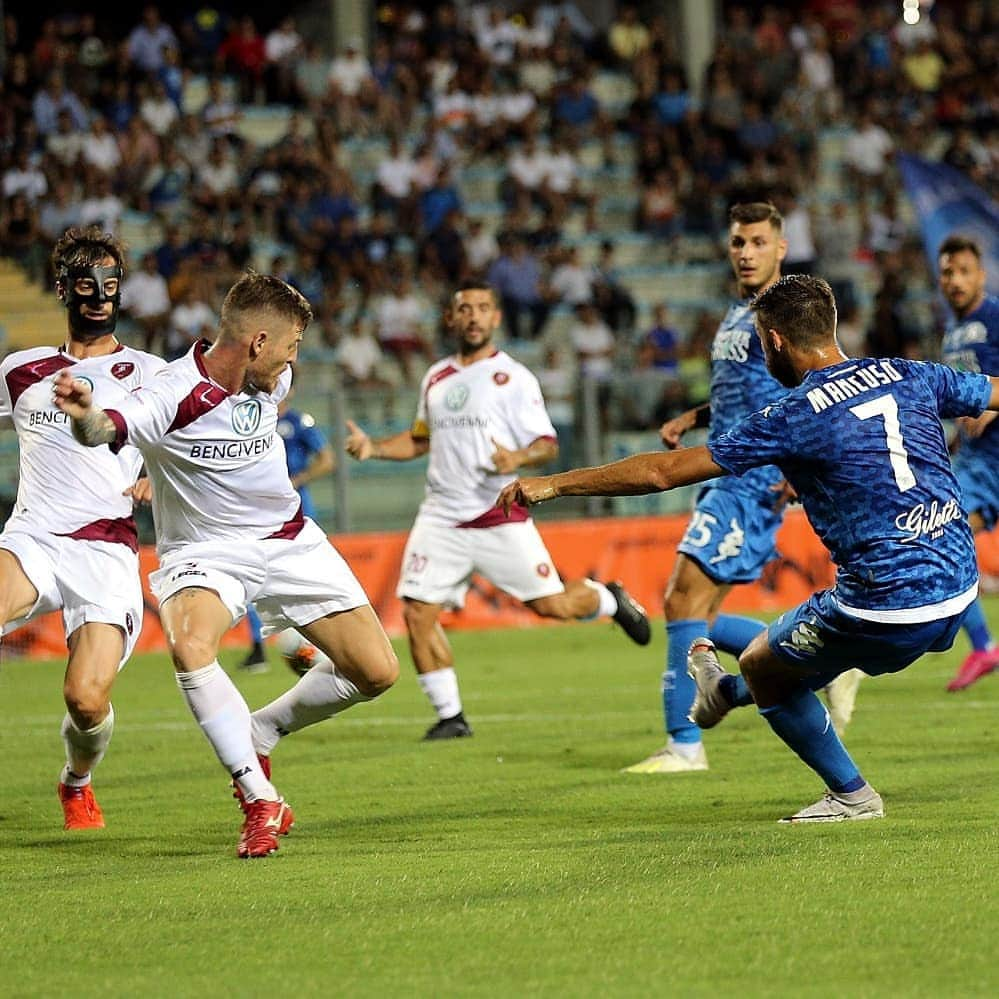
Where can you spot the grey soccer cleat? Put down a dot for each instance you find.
(703, 668)
(834, 808)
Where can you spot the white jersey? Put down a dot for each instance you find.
(216, 461)
(462, 410)
(64, 487)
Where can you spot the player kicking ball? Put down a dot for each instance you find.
(862, 444)
(230, 532)
(71, 543)
(481, 418)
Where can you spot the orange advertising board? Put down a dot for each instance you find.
(639, 551)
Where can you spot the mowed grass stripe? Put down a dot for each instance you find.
(519, 862)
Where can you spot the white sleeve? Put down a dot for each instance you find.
(421, 422)
(526, 412)
(6, 409)
(145, 416)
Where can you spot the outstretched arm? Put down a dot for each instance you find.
(634, 476)
(91, 425)
(400, 447)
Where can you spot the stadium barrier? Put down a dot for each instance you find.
(639, 551)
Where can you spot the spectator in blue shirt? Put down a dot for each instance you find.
(516, 276)
(663, 339)
(54, 98)
(148, 40)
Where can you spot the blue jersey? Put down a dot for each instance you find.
(972, 344)
(302, 439)
(862, 443)
(740, 386)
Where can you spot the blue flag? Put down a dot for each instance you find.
(947, 203)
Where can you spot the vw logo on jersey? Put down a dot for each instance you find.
(456, 397)
(246, 417)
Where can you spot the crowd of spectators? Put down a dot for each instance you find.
(96, 121)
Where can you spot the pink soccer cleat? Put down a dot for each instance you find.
(79, 808)
(978, 664)
(265, 821)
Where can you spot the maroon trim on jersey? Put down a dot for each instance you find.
(120, 430)
(495, 516)
(441, 375)
(25, 375)
(121, 531)
(200, 349)
(203, 398)
(291, 529)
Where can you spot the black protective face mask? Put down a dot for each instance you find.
(79, 324)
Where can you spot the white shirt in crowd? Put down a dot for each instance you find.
(573, 283)
(349, 73)
(101, 152)
(145, 295)
(398, 316)
(529, 168)
(103, 210)
(867, 150)
(397, 175)
(597, 339)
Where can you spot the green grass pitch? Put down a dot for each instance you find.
(517, 863)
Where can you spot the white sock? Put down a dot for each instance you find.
(688, 750)
(607, 607)
(441, 688)
(85, 748)
(222, 713)
(320, 694)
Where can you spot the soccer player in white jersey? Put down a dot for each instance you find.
(71, 542)
(481, 417)
(230, 531)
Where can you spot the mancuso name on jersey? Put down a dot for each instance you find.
(64, 487)
(863, 445)
(972, 344)
(741, 385)
(463, 409)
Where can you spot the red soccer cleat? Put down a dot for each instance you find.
(237, 791)
(265, 821)
(978, 664)
(80, 808)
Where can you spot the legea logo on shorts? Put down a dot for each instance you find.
(456, 397)
(246, 417)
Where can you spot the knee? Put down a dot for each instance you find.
(87, 704)
(676, 605)
(378, 676)
(418, 617)
(192, 651)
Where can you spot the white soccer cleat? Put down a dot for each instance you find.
(834, 808)
(667, 761)
(703, 668)
(841, 696)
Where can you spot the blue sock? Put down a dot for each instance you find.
(256, 627)
(678, 688)
(803, 723)
(735, 690)
(975, 625)
(732, 633)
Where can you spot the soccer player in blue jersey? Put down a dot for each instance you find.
(862, 444)
(310, 457)
(971, 343)
(731, 534)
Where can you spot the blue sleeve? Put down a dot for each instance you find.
(313, 439)
(959, 393)
(760, 439)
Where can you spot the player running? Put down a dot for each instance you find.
(731, 535)
(71, 543)
(481, 417)
(971, 343)
(230, 531)
(862, 444)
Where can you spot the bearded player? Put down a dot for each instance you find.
(76, 549)
(481, 417)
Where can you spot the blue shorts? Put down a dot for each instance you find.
(978, 477)
(732, 534)
(821, 639)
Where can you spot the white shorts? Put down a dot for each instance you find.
(291, 582)
(438, 563)
(89, 581)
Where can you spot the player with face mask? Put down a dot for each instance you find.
(76, 549)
